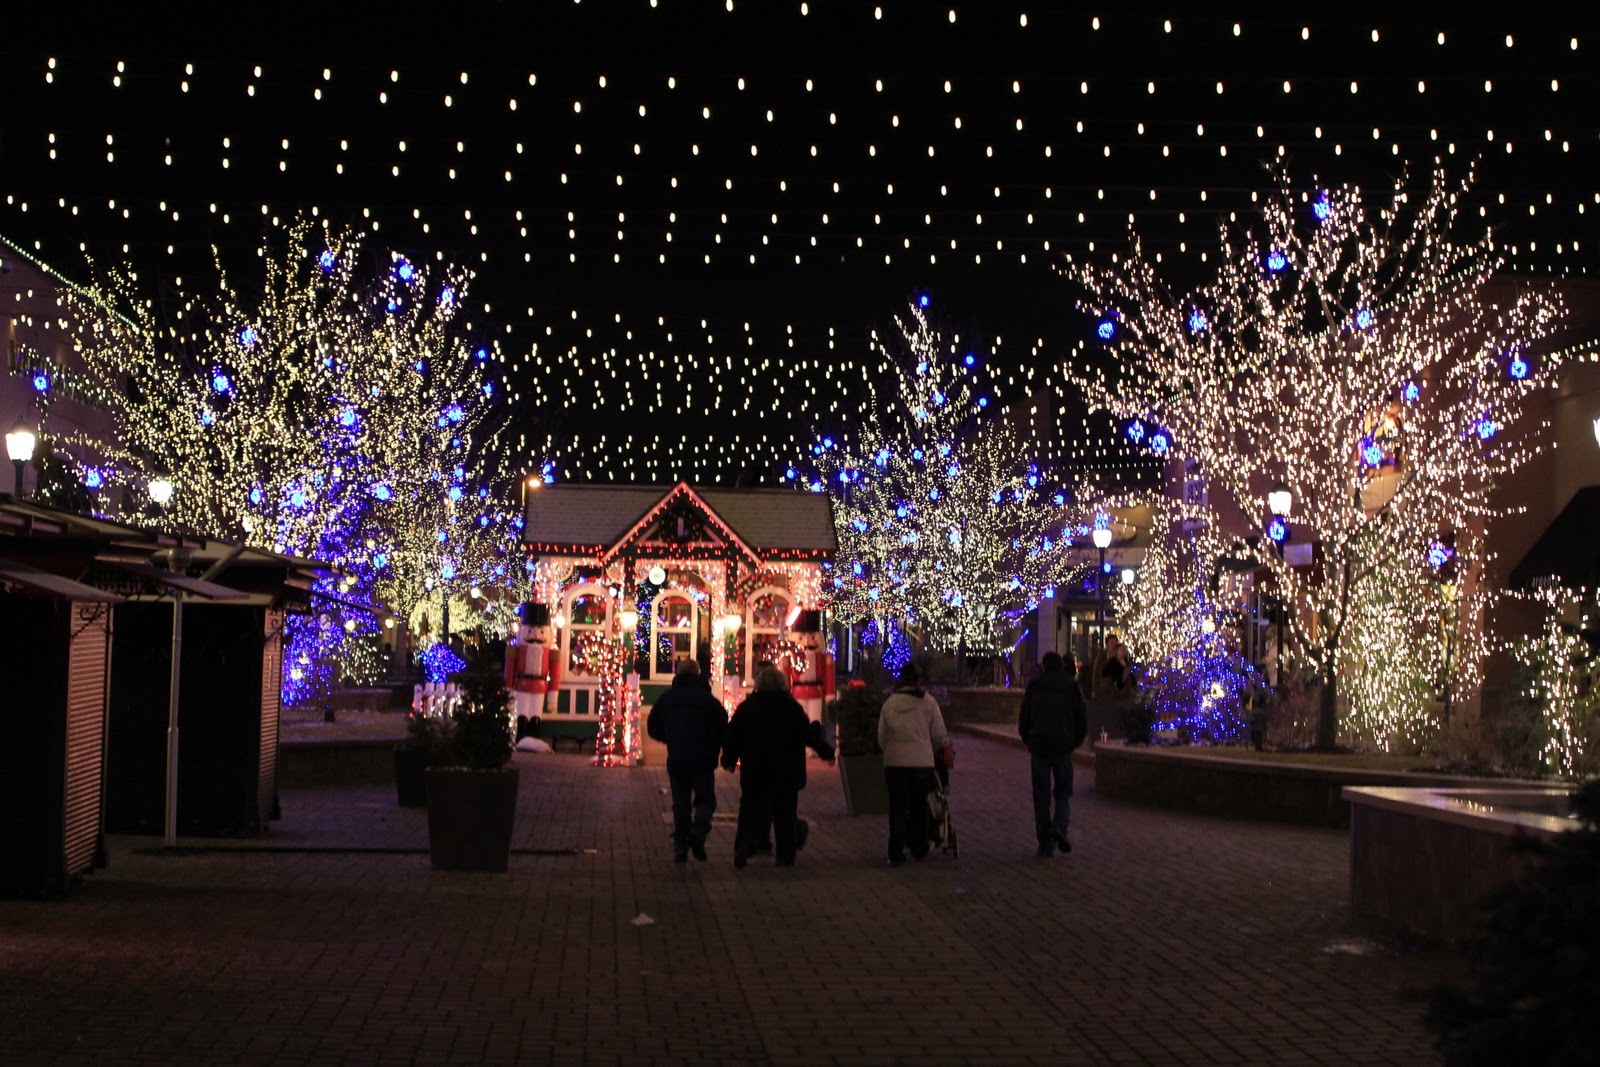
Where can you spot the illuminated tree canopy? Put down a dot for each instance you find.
(1348, 347)
(344, 413)
(942, 521)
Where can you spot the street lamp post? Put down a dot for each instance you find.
(1102, 541)
(1280, 501)
(19, 446)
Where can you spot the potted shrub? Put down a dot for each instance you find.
(472, 792)
(414, 754)
(855, 716)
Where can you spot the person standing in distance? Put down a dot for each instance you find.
(691, 723)
(1054, 721)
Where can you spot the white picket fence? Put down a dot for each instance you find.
(437, 700)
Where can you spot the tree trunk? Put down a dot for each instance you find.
(1328, 710)
(961, 661)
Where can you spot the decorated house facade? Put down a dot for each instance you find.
(633, 579)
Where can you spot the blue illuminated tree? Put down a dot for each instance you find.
(941, 519)
(344, 412)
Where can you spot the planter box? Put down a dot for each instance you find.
(410, 784)
(470, 817)
(1425, 858)
(1242, 788)
(865, 791)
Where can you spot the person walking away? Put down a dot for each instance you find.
(767, 739)
(910, 730)
(691, 723)
(1053, 722)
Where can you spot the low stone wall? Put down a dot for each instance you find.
(1245, 789)
(343, 762)
(986, 704)
(376, 698)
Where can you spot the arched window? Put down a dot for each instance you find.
(766, 614)
(672, 632)
(587, 610)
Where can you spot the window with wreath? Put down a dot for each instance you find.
(673, 636)
(586, 615)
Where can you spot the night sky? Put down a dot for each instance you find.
(814, 165)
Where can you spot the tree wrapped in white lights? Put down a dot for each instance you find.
(1348, 349)
(1557, 681)
(941, 519)
(1162, 613)
(339, 414)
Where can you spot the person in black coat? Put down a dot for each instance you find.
(767, 738)
(691, 723)
(1054, 721)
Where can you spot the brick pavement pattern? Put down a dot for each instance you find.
(1162, 939)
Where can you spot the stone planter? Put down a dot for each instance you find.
(409, 783)
(470, 817)
(865, 791)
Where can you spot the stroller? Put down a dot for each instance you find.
(941, 830)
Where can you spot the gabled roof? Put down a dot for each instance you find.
(600, 520)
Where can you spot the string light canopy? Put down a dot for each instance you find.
(684, 219)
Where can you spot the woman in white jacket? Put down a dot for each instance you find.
(910, 731)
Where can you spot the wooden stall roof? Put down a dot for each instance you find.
(109, 555)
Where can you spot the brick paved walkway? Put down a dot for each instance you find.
(1161, 939)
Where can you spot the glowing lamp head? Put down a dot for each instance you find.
(1596, 427)
(629, 619)
(657, 576)
(1208, 625)
(19, 444)
(1101, 536)
(731, 622)
(1127, 576)
(161, 490)
(1280, 500)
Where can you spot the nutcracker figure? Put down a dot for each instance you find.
(533, 665)
(813, 685)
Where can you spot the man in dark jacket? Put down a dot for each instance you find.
(691, 723)
(1054, 722)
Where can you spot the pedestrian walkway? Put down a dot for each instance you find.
(1162, 939)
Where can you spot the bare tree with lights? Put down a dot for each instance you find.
(941, 519)
(1348, 349)
(340, 413)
